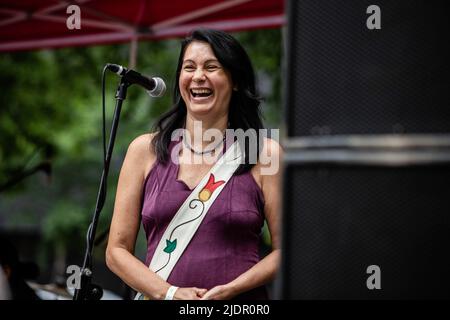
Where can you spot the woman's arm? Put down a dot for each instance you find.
(125, 226)
(265, 270)
(125, 222)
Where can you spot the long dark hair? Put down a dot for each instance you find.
(244, 112)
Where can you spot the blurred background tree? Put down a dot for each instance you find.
(50, 135)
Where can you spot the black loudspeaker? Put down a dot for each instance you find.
(366, 209)
(344, 78)
(342, 219)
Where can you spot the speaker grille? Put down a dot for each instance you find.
(338, 220)
(346, 79)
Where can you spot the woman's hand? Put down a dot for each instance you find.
(222, 292)
(189, 293)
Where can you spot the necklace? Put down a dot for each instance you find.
(187, 145)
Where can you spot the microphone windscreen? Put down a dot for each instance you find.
(159, 89)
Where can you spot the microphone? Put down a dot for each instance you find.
(155, 86)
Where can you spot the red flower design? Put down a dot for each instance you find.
(209, 188)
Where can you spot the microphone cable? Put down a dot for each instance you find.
(89, 243)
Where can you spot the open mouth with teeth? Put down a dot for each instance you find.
(201, 93)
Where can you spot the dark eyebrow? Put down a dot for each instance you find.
(212, 60)
(207, 61)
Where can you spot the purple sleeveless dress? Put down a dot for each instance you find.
(226, 243)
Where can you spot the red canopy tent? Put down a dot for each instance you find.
(37, 24)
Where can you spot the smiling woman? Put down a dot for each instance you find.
(219, 257)
(205, 85)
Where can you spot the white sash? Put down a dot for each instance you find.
(191, 214)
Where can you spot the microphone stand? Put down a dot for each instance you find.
(88, 290)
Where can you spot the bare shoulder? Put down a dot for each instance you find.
(271, 146)
(270, 159)
(270, 155)
(140, 153)
(269, 162)
(141, 144)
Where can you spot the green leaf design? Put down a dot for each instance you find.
(170, 245)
